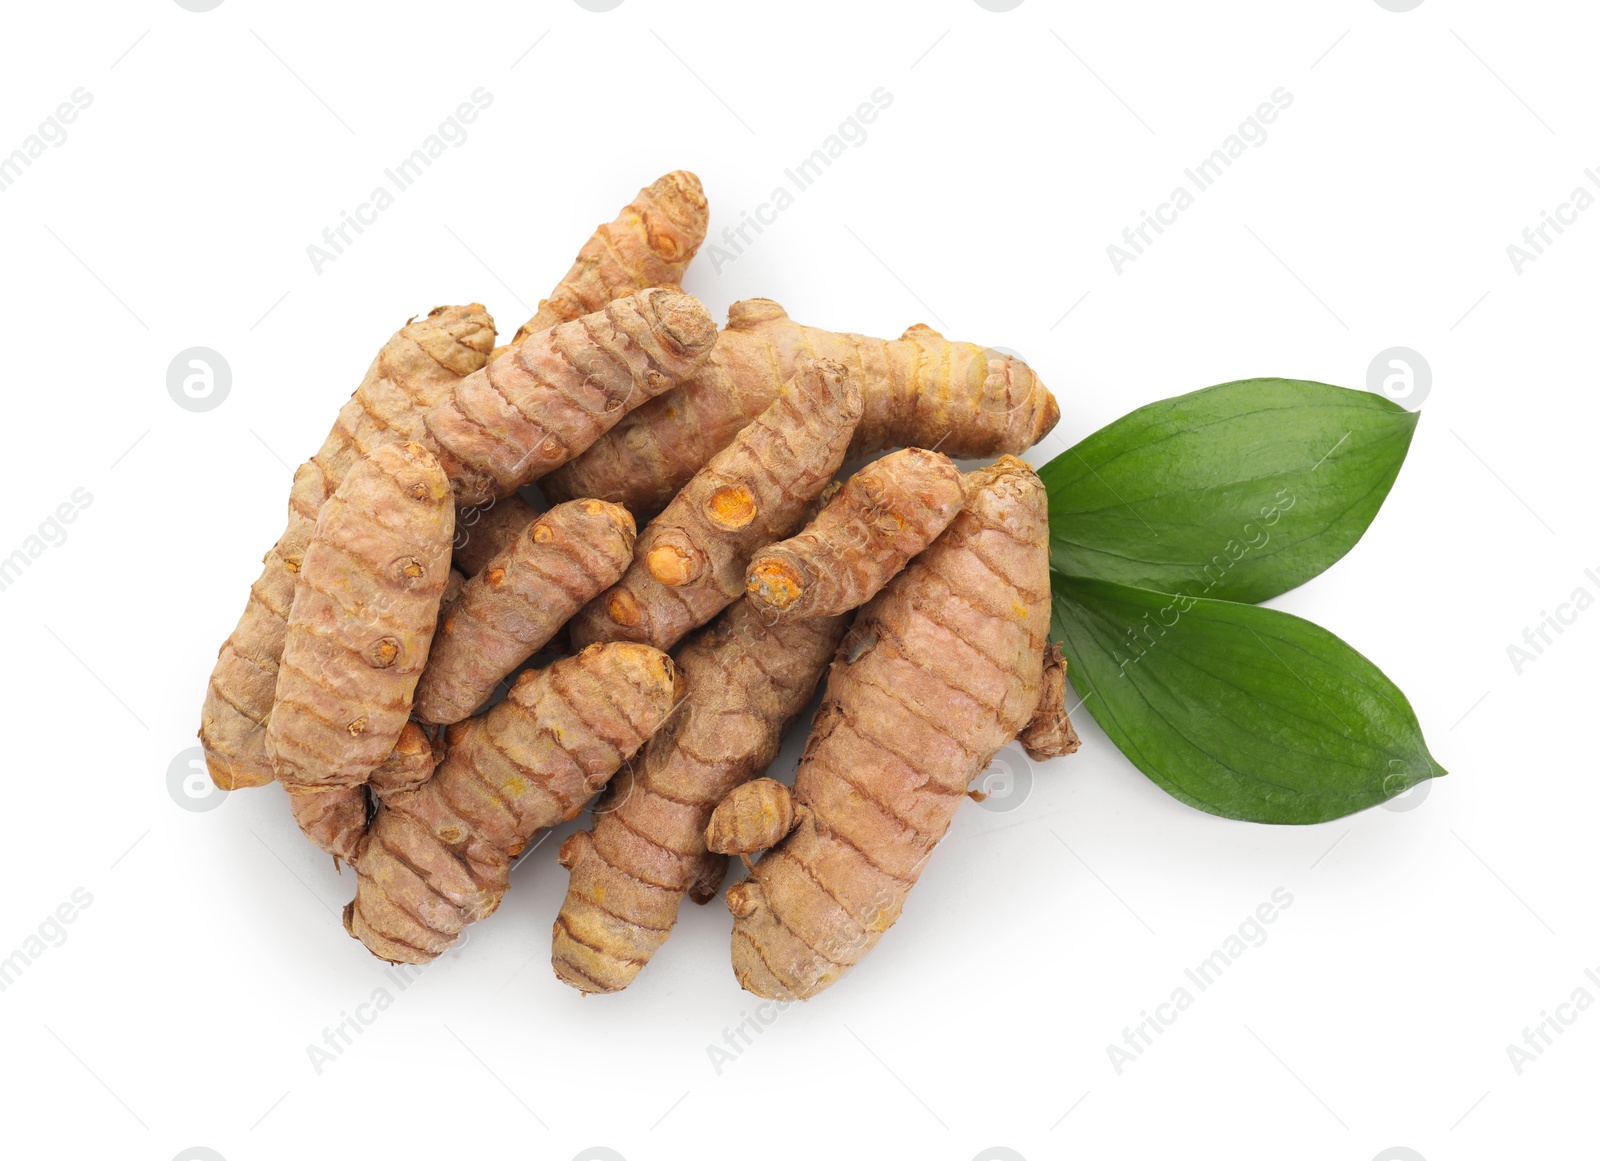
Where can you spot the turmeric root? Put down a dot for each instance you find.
(940, 671)
(482, 532)
(690, 561)
(744, 683)
(514, 606)
(649, 244)
(436, 858)
(547, 399)
(1050, 734)
(883, 516)
(362, 618)
(412, 371)
(920, 390)
(619, 394)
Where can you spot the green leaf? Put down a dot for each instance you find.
(1245, 712)
(1237, 492)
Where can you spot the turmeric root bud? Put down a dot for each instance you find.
(883, 516)
(673, 562)
(751, 818)
(1050, 733)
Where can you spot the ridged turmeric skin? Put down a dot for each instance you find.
(744, 681)
(690, 561)
(518, 602)
(549, 398)
(883, 516)
(920, 390)
(649, 244)
(437, 858)
(362, 619)
(940, 671)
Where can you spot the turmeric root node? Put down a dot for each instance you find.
(751, 818)
(743, 898)
(623, 609)
(672, 564)
(731, 507)
(774, 583)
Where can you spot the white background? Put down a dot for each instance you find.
(179, 1009)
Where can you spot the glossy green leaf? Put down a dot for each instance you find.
(1237, 492)
(1241, 711)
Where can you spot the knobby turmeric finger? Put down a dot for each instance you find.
(516, 604)
(649, 244)
(437, 858)
(745, 680)
(943, 668)
(920, 390)
(690, 561)
(547, 399)
(363, 616)
(883, 516)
